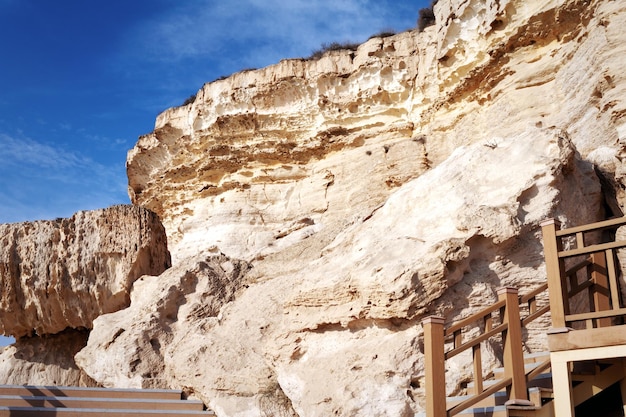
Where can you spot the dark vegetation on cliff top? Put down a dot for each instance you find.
(426, 17)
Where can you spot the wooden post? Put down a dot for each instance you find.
(434, 364)
(562, 385)
(600, 294)
(557, 288)
(513, 353)
(622, 385)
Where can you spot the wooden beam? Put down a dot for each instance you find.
(590, 249)
(596, 315)
(588, 338)
(613, 285)
(599, 297)
(622, 385)
(561, 385)
(478, 369)
(598, 383)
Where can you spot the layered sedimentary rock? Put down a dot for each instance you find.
(322, 208)
(64, 273)
(264, 157)
(350, 317)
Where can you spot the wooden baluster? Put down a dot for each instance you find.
(488, 322)
(599, 297)
(580, 240)
(458, 338)
(478, 369)
(613, 285)
(513, 353)
(559, 303)
(532, 305)
(434, 364)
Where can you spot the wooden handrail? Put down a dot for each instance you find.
(600, 282)
(605, 224)
(596, 314)
(477, 340)
(474, 399)
(507, 308)
(591, 249)
(534, 293)
(534, 316)
(475, 317)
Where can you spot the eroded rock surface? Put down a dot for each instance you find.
(266, 158)
(45, 360)
(164, 309)
(64, 273)
(358, 194)
(350, 317)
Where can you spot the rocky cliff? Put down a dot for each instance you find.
(367, 189)
(317, 210)
(59, 275)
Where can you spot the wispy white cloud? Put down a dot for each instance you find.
(285, 28)
(59, 180)
(174, 51)
(25, 151)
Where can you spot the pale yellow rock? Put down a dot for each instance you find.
(350, 316)
(182, 300)
(367, 190)
(64, 273)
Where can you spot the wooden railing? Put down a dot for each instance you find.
(502, 319)
(594, 269)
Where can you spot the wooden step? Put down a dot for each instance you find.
(109, 403)
(541, 380)
(539, 388)
(535, 357)
(498, 373)
(90, 392)
(88, 412)
(496, 411)
(25, 400)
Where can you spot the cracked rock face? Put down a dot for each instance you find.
(64, 273)
(181, 303)
(350, 316)
(318, 210)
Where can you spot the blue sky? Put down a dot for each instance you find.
(80, 80)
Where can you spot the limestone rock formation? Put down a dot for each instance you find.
(164, 309)
(64, 273)
(316, 211)
(45, 360)
(268, 157)
(350, 316)
(366, 190)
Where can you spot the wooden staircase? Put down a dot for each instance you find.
(587, 340)
(24, 401)
(539, 389)
(588, 380)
